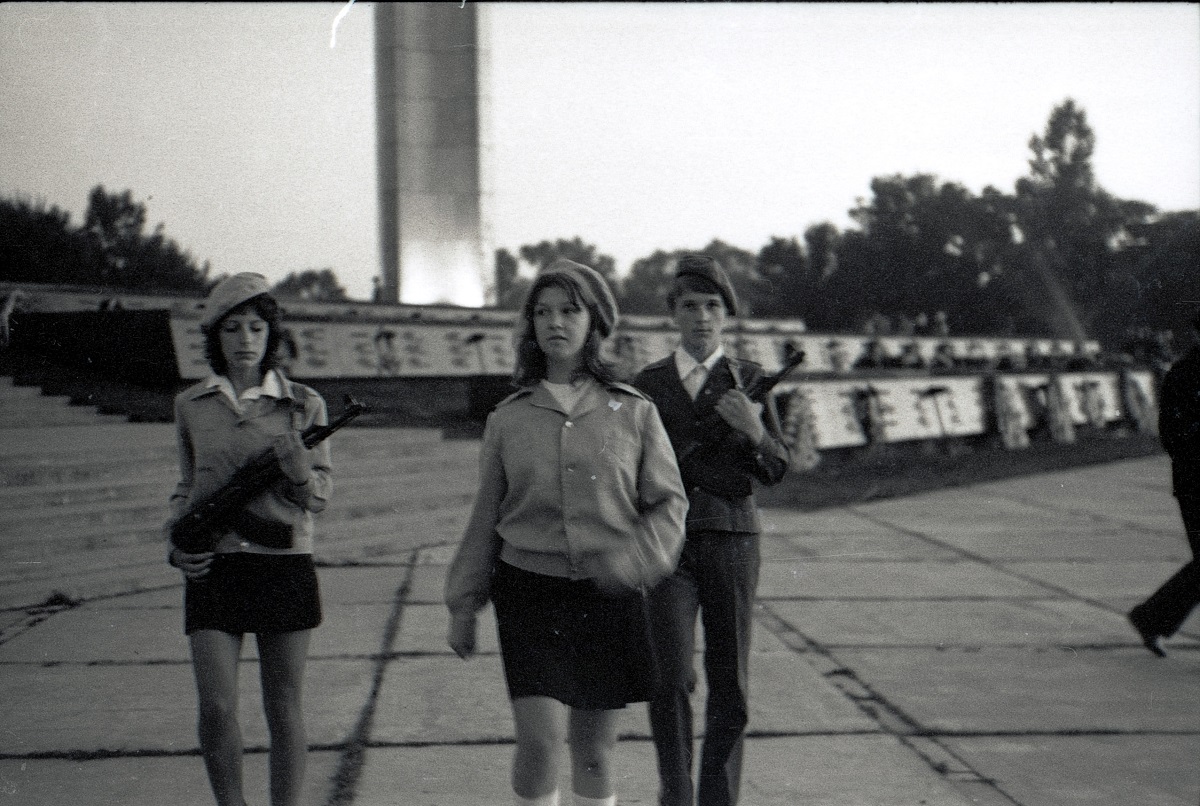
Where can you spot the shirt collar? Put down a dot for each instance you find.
(684, 362)
(271, 386)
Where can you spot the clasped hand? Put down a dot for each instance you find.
(292, 457)
(742, 414)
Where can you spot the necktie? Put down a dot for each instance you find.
(695, 379)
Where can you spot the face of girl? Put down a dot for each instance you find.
(560, 325)
(244, 340)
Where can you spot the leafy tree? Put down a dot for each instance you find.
(541, 255)
(644, 289)
(311, 285)
(39, 245)
(1071, 229)
(784, 271)
(510, 286)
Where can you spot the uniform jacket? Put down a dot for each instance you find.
(558, 489)
(215, 441)
(1179, 423)
(738, 462)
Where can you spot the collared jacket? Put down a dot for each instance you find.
(215, 441)
(736, 462)
(558, 489)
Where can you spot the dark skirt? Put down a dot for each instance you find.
(565, 639)
(254, 593)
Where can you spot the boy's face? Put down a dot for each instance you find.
(700, 319)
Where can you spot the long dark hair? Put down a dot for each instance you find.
(265, 306)
(531, 361)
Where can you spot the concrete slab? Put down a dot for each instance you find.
(349, 631)
(1088, 770)
(829, 770)
(169, 597)
(860, 540)
(174, 780)
(787, 579)
(1093, 579)
(351, 586)
(94, 635)
(993, 690)
(420, 701)
(139, 708)
(923, 623)
(1005, 542)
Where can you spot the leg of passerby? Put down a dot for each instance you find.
(1164, 612)
(728, 582)
(282, 658)
(592, 737)
(215, 664)
(541, 733)
(673, 607)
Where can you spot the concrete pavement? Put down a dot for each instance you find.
(966, 646)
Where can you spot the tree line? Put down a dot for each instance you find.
(1058, 256)
(113, 249)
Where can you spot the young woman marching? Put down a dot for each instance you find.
(244, 408)
(580, 510)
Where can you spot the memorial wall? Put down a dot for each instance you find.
(850, 391)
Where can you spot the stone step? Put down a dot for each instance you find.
(53, 417)
(380, 534)
(89, 523)
(55, 486)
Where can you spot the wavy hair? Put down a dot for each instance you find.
(265, 306)
(531, 361)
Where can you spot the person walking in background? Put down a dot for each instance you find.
(580, 508)
(244, 408)
(717, 575)
(1164, 612)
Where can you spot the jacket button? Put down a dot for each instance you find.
(568, 424)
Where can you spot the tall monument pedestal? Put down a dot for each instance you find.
(431, 101)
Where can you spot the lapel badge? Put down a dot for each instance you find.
(614, 404)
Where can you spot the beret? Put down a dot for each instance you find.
(710, 271)
(592, 286)
(231, 292)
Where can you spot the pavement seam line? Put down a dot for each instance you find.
(891, 719)
(349, 770)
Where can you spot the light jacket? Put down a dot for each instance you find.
(215, 440)
(558, 489)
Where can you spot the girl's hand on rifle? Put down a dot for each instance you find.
(742, 414)
(293, 457)
(193, 566)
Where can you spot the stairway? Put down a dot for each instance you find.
(83, 497)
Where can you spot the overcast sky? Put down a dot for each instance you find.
(249, 130)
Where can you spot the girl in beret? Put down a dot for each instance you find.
(259, 576)
(580, 509)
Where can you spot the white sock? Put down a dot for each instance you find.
(580, 800)
(543, 800)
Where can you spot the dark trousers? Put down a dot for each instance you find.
(717, 576)
(1169, 606)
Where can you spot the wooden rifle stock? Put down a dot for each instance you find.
(197, 530)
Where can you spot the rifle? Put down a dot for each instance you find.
(715, 430)
(223, 510)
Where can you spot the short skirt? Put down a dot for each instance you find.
(246, 592)
(565, 639)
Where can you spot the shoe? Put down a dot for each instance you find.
(1150, 639)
